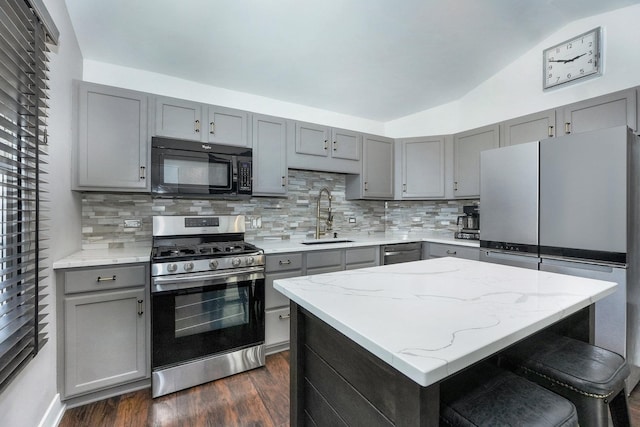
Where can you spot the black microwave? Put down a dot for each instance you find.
(181, 168)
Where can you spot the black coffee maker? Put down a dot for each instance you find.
(469, 223)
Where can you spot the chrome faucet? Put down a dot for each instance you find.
(329, 220)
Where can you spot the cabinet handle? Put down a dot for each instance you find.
(550, 132)
(455, 186)
(287, 262)
(450, 252)
(212, 128)
(335, 145)
(197, 128)
(284, 316)
(404, 188)
(140, 311)
(106, 279)
(284, 182)
(366, 186)
(567, 127)
(143, 171)
(326, 146)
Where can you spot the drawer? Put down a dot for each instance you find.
(276, 326)
(102, 278)
(273, 298)
(362, 255)
(324, 259)
(283, 262)
(440, 250)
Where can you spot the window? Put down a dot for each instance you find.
(25, 30)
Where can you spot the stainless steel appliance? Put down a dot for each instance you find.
(193, 169)
(401, 252)
(207, 301)
(469, 223)
(568, 205)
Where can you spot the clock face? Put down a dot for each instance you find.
(573, 59)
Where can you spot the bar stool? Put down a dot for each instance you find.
(591, 377)
(488, 396)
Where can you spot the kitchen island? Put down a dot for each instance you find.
(370, 346)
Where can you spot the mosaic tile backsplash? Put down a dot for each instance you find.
(288, 217)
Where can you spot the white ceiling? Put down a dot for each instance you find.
(374, 59)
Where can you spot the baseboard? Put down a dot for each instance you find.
(54, 413)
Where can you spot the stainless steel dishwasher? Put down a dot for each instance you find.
(401, 252)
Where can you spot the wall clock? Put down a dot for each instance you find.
(574, 59)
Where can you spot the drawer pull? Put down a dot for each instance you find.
(287, 262)
(284, 316)
(140, 312)
(450, 252)
(106, 279)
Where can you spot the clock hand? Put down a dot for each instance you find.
(561, 60)
(573, 59)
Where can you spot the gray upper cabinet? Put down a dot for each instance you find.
(322, 148)
(533, 127)
(420, 172)
(614, 109)
(111, 143)
(376, 178)
(179, 118)
(269, 156)
(466, 162)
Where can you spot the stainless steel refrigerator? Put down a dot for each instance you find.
(570, 205)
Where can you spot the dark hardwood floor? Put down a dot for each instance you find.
(256, 398)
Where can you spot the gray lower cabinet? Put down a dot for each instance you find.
(362, 257)
(533, 127)
(319, 262)
(614, 109)
(466, 158)
(110, 145)
(103, 330)
(269, 156)
(438, 250)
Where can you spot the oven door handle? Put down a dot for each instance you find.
(186, 281)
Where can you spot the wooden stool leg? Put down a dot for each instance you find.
(619, 410)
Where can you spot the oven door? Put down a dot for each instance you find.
(198, 315)
(182, 172)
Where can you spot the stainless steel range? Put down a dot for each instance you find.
(207, 297)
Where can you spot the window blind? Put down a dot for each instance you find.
(24, 42)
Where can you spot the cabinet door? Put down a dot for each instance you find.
(377, 168)
(112, 139)
(104, 340)
(227, 126)
(438, 250)
(606, 111)
(319, 262)
(178, 118)
(312, 139)
(423, 168)
(269, 156)
(533, 127)
(466, 150)
(345, 144)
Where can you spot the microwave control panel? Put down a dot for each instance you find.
(244, 177)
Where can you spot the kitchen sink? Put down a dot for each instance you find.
(326, 242)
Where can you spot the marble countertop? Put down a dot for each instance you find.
(432, 318)
(97, 257)
(274, 246)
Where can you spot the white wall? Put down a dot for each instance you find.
(145, 81)
(35, 387)
(517, 89)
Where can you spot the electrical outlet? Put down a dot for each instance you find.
(132, 223)
(352, 220)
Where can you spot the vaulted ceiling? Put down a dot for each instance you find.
(375, 59)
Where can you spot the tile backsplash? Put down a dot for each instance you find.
(104, 215)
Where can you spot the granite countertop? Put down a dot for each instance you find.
(432, 318)
(274, 246)
(97, 257)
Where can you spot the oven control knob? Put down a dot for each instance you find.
(172, 267)
(250, 260)
(213, 264)
(188, 266)
(236, 262)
